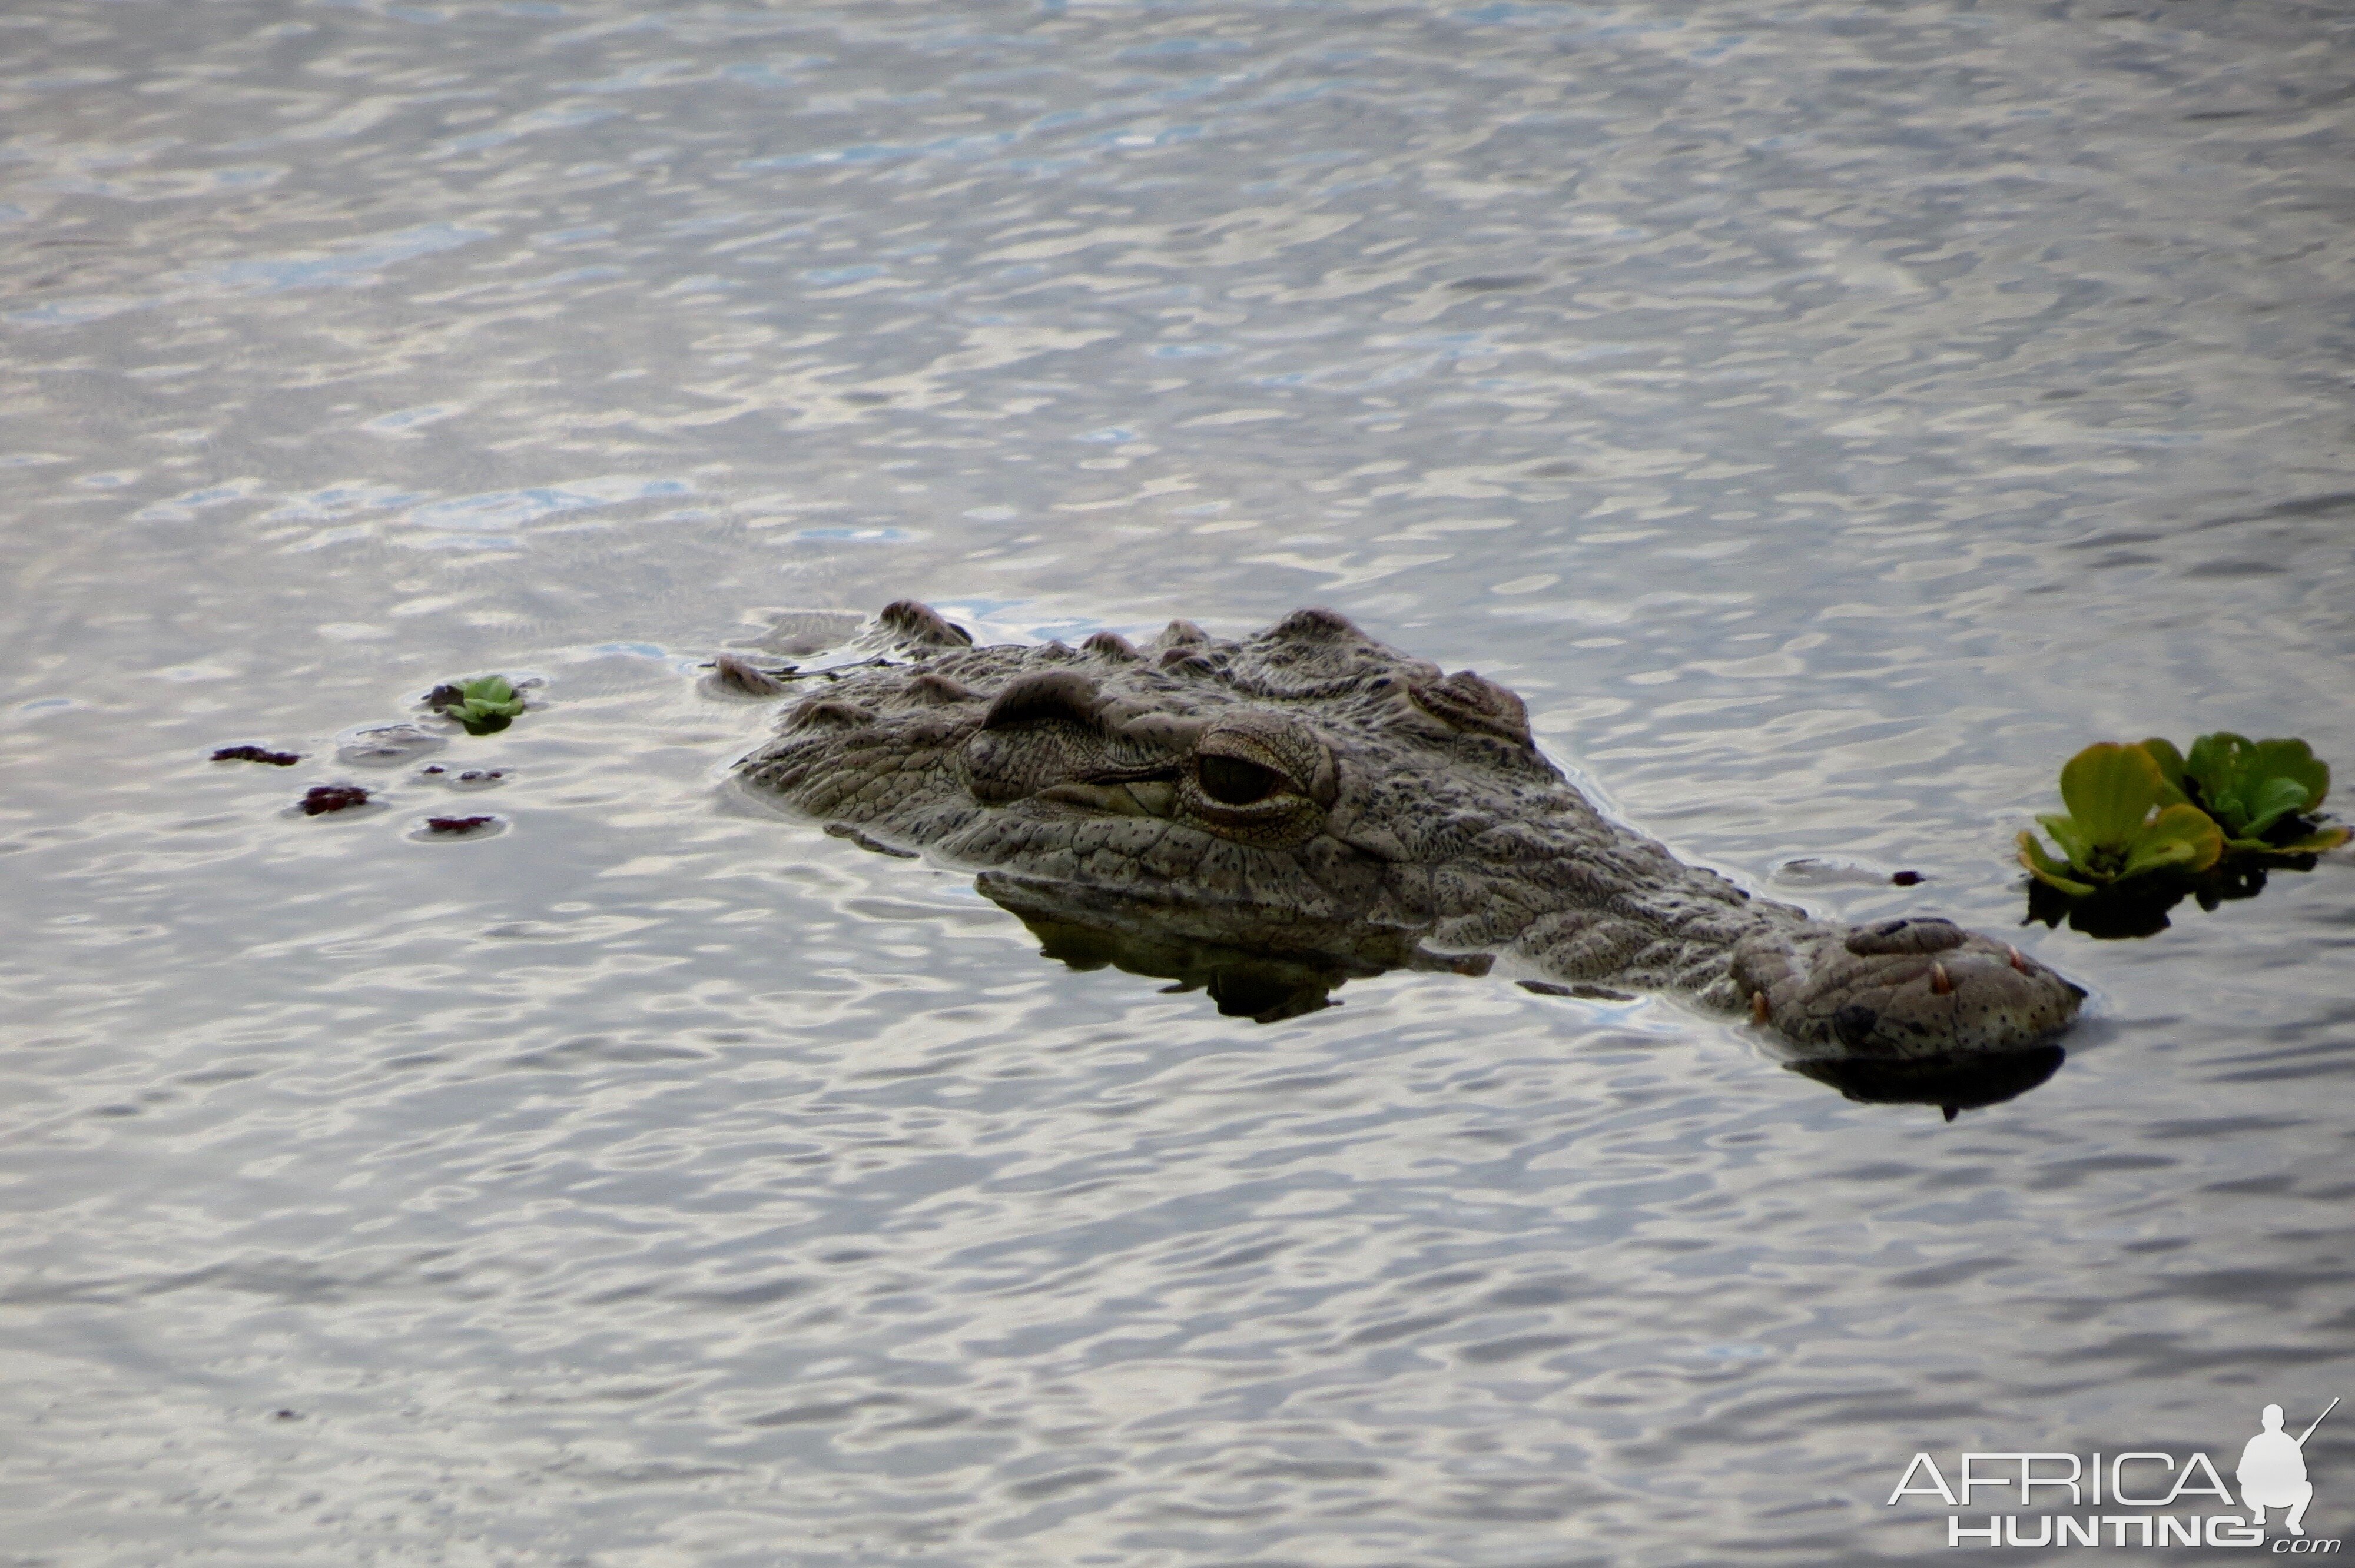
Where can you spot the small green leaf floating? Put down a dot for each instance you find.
(484, 707)
(2135, 810)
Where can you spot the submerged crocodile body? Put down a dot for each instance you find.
(1311, 795)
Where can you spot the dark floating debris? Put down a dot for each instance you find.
(325, 798)
(1815, 871)
(286, 1416)
(434, 768)
(257, 754)
(457, 824)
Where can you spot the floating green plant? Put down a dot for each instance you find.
(485, 705)
(2116, 826)
(2259, 791)
(2142, 809)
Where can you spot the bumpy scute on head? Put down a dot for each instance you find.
(1045, 694)
(1467, 702)
(830, 712)
(940, 691)
(740, 676)
(1317, 628)
(920, 626)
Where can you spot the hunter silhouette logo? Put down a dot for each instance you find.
(2273, 1471)
(2141, 1498)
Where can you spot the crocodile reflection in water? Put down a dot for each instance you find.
(1312, 795)
(2126, 910)
(1268, 987)
(1265, 987)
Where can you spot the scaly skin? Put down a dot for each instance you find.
(1310, 791)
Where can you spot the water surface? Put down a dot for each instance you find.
(1829, 417)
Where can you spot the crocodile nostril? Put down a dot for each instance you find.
(1854, 1024)
(1922, 933)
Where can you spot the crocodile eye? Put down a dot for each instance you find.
(1231, 782)
(1255, 779)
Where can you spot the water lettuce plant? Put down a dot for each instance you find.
(2251, 789)
(2138, 810)
(484, 705)
(2116, 826)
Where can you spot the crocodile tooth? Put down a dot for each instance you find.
(1940, 983)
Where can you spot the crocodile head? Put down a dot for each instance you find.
(1309, 788)
(1310, 791)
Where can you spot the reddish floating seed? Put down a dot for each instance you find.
(455, 824)
(325, 798)
(256, 753)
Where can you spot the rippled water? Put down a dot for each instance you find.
(1828, 415)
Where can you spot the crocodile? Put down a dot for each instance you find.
(1313, 798)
